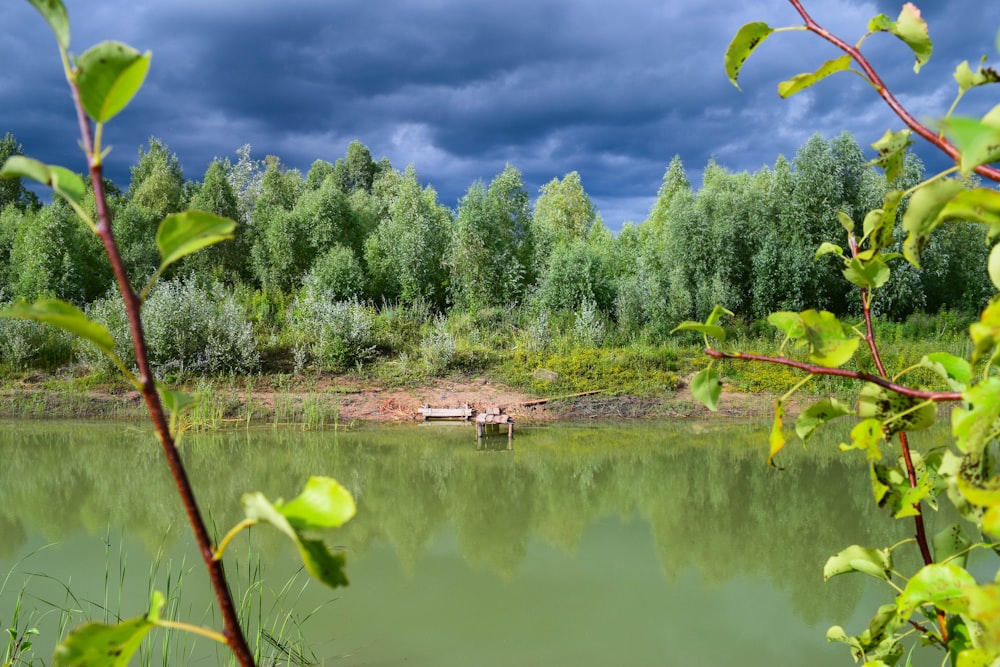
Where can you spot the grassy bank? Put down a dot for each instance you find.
(465, 359)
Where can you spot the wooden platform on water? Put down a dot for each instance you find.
(463, 413)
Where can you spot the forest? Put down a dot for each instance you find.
(356, 261)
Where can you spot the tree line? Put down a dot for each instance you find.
(361, 230)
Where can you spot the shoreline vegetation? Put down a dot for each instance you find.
(571, 383)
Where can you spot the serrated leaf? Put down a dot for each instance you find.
(867, 275)
(985, 333)
(896, 411)
(101, 645)
(910, 28)
(866, 436)
(788, 323)
(712, 330)
(717, 314)
(993, 266)
(818, 414)
(967, 79)
(977, 205)
(943, 585)
(66, 183)
(776, 441)
(65, 316)
(175, 401)
(948, 543)
(948, 366)
(827, 248)
(747, 38)
(108, 76)
(55, 15)
(922, 215)
(181, 234)
(324, 503)
(800, 82)
(846, 221)
(873, 562)
(319, 506)
(891, 151)
(706, 386)
(978, 140)
(972, 425)
(831, 343)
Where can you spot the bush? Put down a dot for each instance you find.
(187, 328)
(30, 344)
(338, 274)
(331, 334)
(438, 347)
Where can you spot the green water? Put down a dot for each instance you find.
(650, 543)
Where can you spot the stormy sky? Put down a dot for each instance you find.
(459, 88)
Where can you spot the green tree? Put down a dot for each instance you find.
(563, 214)
(12, 191)
(356, 170)
(405, 252)
(224, 261)
(490, 247)
(275, 237)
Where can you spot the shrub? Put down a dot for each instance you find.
(188, 328)
(30, 344)
(338, 274)
(331, 334)
(438, 347)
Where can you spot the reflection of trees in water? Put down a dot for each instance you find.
(710, 502)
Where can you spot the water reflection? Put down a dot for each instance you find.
(712, 508)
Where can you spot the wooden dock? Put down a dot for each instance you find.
(494, 418)
(463, 413)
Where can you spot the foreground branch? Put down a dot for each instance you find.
(934, 138)
(936, 396)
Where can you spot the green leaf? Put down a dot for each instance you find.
(818, 414)
(977, 205)
(943, 585)
(873, 562)
(949, 543)
(986, 332)
(175, 401)
(712, 330)
(896, 411)
(66, 183)
(108, 76)
(922, 215)
(993, 266)
(891, 151)
(323, 503)
(181, 234)
(978, 140)
(948, 366)
(846, 221)
(880, 223)
(777, 438)
(867, 275)
(910, 28)
(65, 316)
(967, 79)
(747, 38)
(866, 436)
(972, 425)
(802, 81)
(832, 344)
(788, 323)
(55, 14)
(717, 314)
(706, 386)
(100, 645)
(827, 248)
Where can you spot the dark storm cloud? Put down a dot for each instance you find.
(460, 88)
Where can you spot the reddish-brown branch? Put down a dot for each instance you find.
(231, 625)
(935, 396)
(941, 143)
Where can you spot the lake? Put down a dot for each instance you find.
(638, 543)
